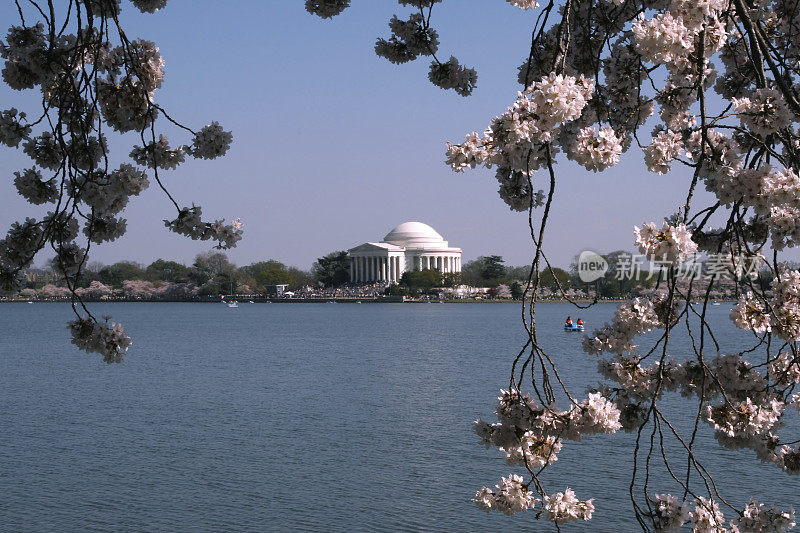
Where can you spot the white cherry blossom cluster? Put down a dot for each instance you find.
(663, 39)
(27, 56)
(530, 435)
(668, 243)
(91, 81)
(757, 517)
(750, 408)
(772, 193)
(518, 142)
(12, 131)
(623, 71)
(326, 8)
(134, 72)
(452, 75)
(719, 155)
(787, 458)
(744, 419)
(45, 151)
(785, 317)
(524, 4)
(149, 6)
(510, 497)
(594, 415)
(410, 39)
(563, 507)
(639, 382)
(665, 147)
(669, 514)
(69, 259)
(211, 142)
(534, 451)
(190, 223)
(558, 98)
(106, 338)
(516, 190)
(105, 8)
(158, 154)
(706, 516)
(470, 154)
(109, 194)
(765, 112)
(104, 228)
(784, 223)
(750, 314)
(695, 13)
(784, 370)
(597, 150)
(746, 185)
(630, 319)
(738, 378)
(126, 105)
(17, 250)
(34, 188)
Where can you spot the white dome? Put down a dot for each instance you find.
(413, 233)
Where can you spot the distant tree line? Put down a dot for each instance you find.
(212, 274)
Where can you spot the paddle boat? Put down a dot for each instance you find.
(573, 327)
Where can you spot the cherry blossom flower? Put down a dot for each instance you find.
(563, 507)
(669, 243)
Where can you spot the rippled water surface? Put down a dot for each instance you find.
(314, 417)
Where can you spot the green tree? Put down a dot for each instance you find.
(162, 270)
(551, 277)
(471, 273)
(492, 267)
(270, 272)
(333, 269)
(484, 271)
(451, 279)
(518, 273)
(299, 278)
(213, 273)
(118, 272)
(422, 280)
(516, 290)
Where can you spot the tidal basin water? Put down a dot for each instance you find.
(311, 417)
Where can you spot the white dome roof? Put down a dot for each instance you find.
(413, 233)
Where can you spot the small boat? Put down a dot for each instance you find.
(715, 303)
(251, 302)
(358, 302)
(233, 303)
(573, 327)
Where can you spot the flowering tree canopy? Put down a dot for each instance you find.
(716, 83)
(94, 82)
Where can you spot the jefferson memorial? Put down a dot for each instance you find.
(409, 246)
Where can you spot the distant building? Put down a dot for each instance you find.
(409, 246)
(275, 290)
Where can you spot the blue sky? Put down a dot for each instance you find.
(334, 146)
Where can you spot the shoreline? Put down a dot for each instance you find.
(262, 300)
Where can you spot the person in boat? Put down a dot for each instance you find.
(580, 322)
(568, 323)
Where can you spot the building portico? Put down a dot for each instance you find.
(409, 246)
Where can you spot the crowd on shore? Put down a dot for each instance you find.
(348, 290)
